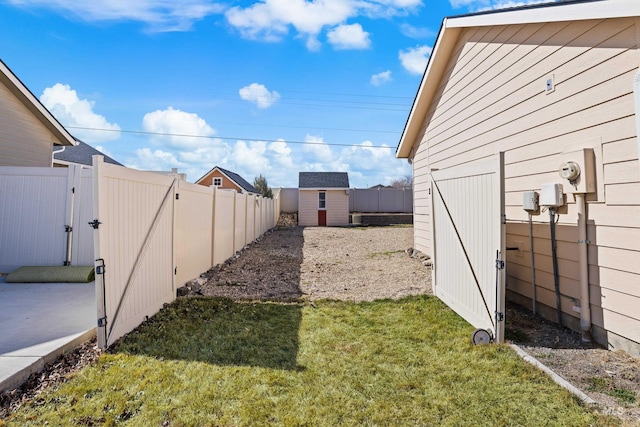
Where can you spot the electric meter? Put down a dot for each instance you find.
(570, 170)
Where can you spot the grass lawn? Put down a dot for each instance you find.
(212, 361)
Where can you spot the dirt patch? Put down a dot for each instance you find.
(610, 378)
(355, 264)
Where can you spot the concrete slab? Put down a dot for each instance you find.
(40, 321)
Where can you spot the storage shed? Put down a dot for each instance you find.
(323, 199)
(513, 103)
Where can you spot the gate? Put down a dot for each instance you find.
(133, 246)
(469, 236)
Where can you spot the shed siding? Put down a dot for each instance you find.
(308, 208)
(24, 140)
(492, 98)
(337, 208)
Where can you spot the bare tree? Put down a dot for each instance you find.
(260, 182)
(404, 182)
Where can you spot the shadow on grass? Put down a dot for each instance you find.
(220, 331)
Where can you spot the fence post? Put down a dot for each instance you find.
(213, 225)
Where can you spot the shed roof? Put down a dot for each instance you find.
(323, 180)
(82, 154)
(451, 28)
(13, 83)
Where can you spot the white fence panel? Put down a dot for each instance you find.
(36, 205)
(250, 225)
(135, 243)
(240, 221)
(224, 215)
(194, 231)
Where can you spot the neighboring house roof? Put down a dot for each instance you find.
(240, 181)
(323, 180)
(452, 27)
(81, 154)
(13, 83)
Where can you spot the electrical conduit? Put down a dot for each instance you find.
(585, 305)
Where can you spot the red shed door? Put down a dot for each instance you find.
(322, 218)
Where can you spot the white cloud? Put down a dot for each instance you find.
(177, 128)
(251, 156)
(381, 78)
(349, 37)
(271, 20)
(159, 15)
(415, 59)
(409, 30)
(281, 153)
(71, 111)
(259, 95)
(316, 146)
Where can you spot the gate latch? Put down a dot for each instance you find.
(499, 316)
(500, 264)
(102, 322)
(95, 224)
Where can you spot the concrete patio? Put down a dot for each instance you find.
(40, 321)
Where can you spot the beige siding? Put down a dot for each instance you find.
(492, 98)
(337, 208)
(24, 141)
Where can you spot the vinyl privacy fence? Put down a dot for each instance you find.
(149, 234)
(365, 200)
(155, 232)
(43, 217)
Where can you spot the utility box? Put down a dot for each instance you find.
(552, 195)
(530, 201)
(584, 161)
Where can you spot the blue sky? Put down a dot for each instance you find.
(272, 87)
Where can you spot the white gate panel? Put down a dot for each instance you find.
(194, 231)
(468, 230)
(35, 207)
(224, 216)
(135, 244)
(82, 253)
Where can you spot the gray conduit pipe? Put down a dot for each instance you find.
(533, 266)
(583, 256)
(554, 255)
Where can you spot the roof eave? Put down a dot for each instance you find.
(445, 43)
(35, 106)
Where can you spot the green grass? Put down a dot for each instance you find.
(215, 362)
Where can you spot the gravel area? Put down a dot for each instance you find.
(355, 264)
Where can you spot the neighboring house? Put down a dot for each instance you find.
(323, 198)
(226, 180)
(541, 85)
(80, 155)
(28, 131)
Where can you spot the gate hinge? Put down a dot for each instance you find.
(499, 316)
(177, 196)
(68, 229)
(95, 224)
(102, 322)
(175, 270)
(100, 269)
(500, 264)
(504, 218)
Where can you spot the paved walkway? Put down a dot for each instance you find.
(40, 321)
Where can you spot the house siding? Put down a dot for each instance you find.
(492, 98)
(227, 184)
(337, 208)
(24, 140)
